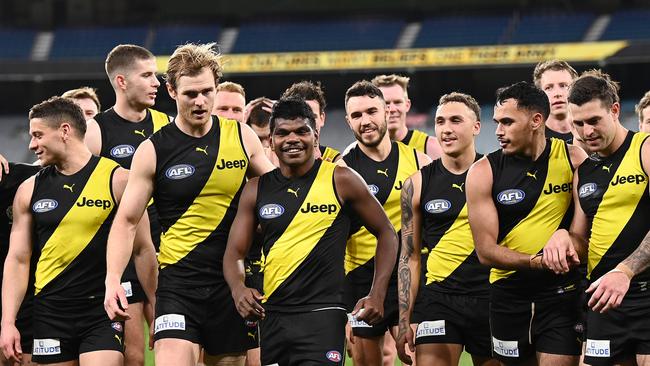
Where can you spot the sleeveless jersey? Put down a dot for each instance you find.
(416, 139)
(120, 138)
(568, 137)
(532, 199)
(328, 154)
(452, 265)
(197, 186)
(72, 216)
(613, 193)
(384, 179)
(304, 230)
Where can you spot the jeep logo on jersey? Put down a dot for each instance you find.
(511, 196)
(89, 202)
(587, 189)
(227, 164)
(334, 356)
(179, 171)
(622, 179)
(44, 205)
(330, 209)
(437, 206)
(122, 151)
(271, 211)
(557, 188)
(373, 189)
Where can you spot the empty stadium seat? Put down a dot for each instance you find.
(16, 43)
(167, 38)
(94, 43)
(550, 28)
(628, 24)
(461, 31)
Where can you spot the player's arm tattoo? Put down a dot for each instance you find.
(404, 272)
(639, 260)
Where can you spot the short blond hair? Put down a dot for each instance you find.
(555, 65)
(643, 104)
(392, 79)
(85, 92)
(229, 86)
(190, 59)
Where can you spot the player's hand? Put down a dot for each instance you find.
(4, 166)
(559, 253)
(267, 106)
(247, 301)
(608, 291)
(10, 341)
(152, 327)
(405, 337)
(369, 309)
(149, 316)
(115, 302)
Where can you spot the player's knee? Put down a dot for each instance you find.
(133, 356)
(233, 359)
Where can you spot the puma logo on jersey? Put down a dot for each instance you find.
(119, 339)
(295, 193)
(69, 188)
(460, 187)
(384, 172)
(533, 174)
(251, 334)
(607, 167)
(203, 150)
(141, 133)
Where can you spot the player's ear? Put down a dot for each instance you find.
(171, 91)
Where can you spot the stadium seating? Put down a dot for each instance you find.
(461, 31)
(167, 38)
(16, 43)
(628, 24)
(93, 42)
(549, 28)
(317, 36)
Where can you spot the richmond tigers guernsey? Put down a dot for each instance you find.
(328, 154)
(452, 265)
(305, 229)
(532, 199)
(120, 138)
(416, 139)
(72, 216)
(384, 179)
(198, 182)
(613, 193)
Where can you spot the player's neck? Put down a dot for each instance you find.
(129, 111)
(194, 130)
(619, 139)
(297, 171)
(399, 134)
(535, 149)
(559, 125)
(461, 163)
(379, 152)
(76, 157)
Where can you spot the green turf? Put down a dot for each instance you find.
(465, 360)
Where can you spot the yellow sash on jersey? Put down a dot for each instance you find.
(418, 141)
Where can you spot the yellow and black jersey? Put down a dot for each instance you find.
(328, 154)
(72, 216)
(532, 199)
(416, 139)
(120, 138)
(384, 179)
(9, 184)
(564, 136)
(304, 228)
(613, 193)
(198, 182)
(452, 265)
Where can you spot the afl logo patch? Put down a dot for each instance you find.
(179, 171)
(511, 196)
(44, 205)
(117, 326)
(437, 206)
(587, 189)
(122, 151)
(373, 189)
(271, 211)
(334, 356)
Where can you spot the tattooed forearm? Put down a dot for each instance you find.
(639, 260)
(404, 271)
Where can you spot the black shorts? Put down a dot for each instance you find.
(303, 339)
(131, 284)
(206, 316)
(354, 292)
(520, 326)
(453, 319)
(619, 333)
(65, 329)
